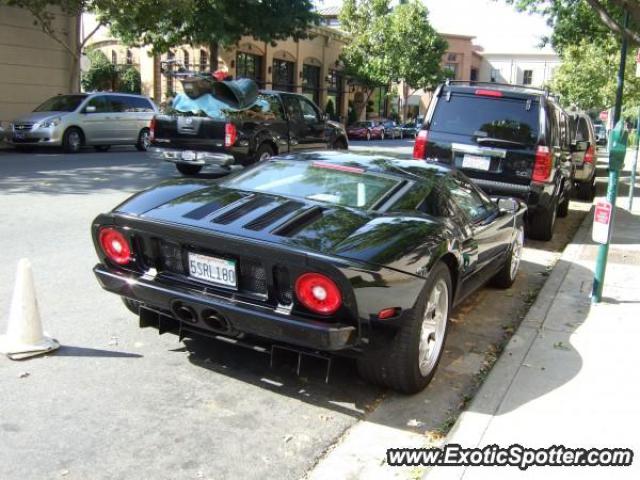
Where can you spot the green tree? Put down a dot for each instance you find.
(104, 75)
(129, 80)
(390, 44)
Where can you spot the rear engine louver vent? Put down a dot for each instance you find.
(298, 222)
(242, 209)
(272, 216)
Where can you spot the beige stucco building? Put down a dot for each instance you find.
(33, 67)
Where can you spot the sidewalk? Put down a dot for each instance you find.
(569, 376)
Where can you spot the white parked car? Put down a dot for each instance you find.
(98, 119)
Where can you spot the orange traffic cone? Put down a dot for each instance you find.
(25, 337)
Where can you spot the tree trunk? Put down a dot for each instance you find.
(213, 55)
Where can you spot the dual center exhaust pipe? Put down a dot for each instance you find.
(211, 318)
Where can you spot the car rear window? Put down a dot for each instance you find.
(332, 183)
(478, 116)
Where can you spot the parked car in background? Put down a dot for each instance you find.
(601, 134)
(366, 130)
(510, 140)
(391, 129)
(360, 255)
(96, 119)
(276, 123)
(410, 130)
(584, 154)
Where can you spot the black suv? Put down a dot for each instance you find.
(276, 123)
(511, 140)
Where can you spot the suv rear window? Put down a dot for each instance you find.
(478, 116)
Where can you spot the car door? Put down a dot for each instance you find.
(297, 126)
(315, 132)
(486, 234)
(97, 118)
(123, 124)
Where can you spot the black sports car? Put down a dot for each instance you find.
(326, 251)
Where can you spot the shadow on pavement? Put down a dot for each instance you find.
(71, 351)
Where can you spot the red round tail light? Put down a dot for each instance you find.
(115, 246)
(318, 293)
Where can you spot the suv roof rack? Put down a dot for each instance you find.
(545, 90)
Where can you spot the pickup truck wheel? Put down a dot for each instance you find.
(264, 153)
(144, 139)
(542, 222)
(102, 148)
(187, 169)
(507, 274)
(410, 361)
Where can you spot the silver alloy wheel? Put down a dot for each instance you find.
(145, 139)
(368, 135)
(516, 252)
(264, 157)
(434, 323)
(382, 135)
(74, 140)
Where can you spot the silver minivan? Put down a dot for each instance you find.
(97, 119)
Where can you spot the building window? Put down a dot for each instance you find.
(203, 60)
(527, 77)
(249, 66)
(474, 75)
(335, 88)
(452, 57)
(495, 74)
(114, 57)
(453, 68)
(185, 59)
(311, 82)
(283, 75)
(129, 57)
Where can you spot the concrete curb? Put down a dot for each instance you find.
(471, 426)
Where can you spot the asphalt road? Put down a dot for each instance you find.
(117, 401)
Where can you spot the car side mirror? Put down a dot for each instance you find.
(90, 109)
(507, 205)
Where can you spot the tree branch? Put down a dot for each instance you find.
(610, 23)
(91, 34)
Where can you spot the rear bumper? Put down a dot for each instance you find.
(243, 317)
(191, 157)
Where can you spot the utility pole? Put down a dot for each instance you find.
(604, 214)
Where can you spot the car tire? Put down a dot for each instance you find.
(541, 224)
(102, 148)
(368, 137)
(409, 362)
(340, 144)
(143, 140)
(509, 271)
(264, 153)
(187, 169)
(586, 191)
(563, 208)
(72, 140)
(132, 305)
(382, 135)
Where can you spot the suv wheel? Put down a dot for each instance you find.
(563, 208)
(587, 191)
(187, 169)
(542, 222)
(72, 140)
(264, 153)
(410, 360)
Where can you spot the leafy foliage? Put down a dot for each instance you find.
(388, 44)
(104, 75)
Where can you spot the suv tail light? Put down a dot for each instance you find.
(589, 154)
(318, 293)
(152, 129)
(420, 145)
(230, 134)
(115, 246)
(543, 164)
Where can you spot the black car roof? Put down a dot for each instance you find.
(512, 91)
(374, 163)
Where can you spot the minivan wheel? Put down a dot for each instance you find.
(412, 356)
(187, 169)
(542, 222)
(144, 139)
(72, 140)
(102, 148)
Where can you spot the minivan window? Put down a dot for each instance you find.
(477, 116)
(61, 103)
(101, 104)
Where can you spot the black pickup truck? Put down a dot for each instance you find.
(277, 122)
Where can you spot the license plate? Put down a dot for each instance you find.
(476, 162)
(18, 135)
(220, 271)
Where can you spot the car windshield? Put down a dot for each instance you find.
(336, 184)
(61, 103)
(478, 116)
